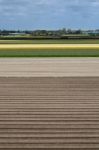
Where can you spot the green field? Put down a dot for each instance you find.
(88, 41)
(49, 52)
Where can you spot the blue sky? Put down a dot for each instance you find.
(49, 14)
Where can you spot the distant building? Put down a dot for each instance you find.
(16, 34)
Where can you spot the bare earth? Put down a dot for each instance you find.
(48, 46)
(49, 67)
(49, 104)
(49, 113)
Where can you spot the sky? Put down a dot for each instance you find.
(49, 14)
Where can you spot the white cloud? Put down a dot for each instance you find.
(48, 10)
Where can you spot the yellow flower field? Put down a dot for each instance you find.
(48, 46)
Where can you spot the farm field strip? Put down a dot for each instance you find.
(37, 125)
(51, 67)
(42, 41)
(48, 46)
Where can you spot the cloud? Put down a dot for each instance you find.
(33, 5)
(48, 13)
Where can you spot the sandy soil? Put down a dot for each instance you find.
(50, 67)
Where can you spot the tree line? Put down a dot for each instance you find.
(61, 33)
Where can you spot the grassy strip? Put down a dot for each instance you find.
(63, 41)
(49, 53)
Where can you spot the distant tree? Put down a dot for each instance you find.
(78, 31)
(69, 31)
